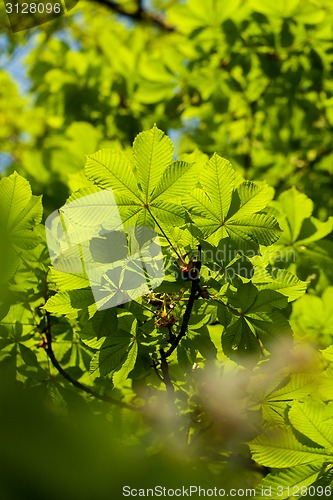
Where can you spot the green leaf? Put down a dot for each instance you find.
(112, 354)
(273, 401)
(299, 386)
(153, 152)
(167, 212)
(317, 255)
(280, 8)
(143, 192)
(238, 338)
(328, 353)
(218, 182)
(223, 314)
(195, 16)
(20, 213)
(121, 375)
(258, 228)
(111, 169)
(253, 197)
(69, 303)
(198, 205)
(176, 177)
(18, 206)
(102, 325)
(313, 230)
(269, 326)
(308, 418)
(282, 483)
(281, 281)
(203, 343)
(296, 207)
(68, 281)
(301, 232)
(278, 447)
(258, 325)
(245, 296)
(219, 210)
(60, 304)
(266, 300)
(312, 317)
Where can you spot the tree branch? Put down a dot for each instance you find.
(139, 15)
(166, 375)
(195, 287)
(47, 346)
(175, 339)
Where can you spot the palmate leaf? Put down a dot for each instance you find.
(200, 340)
(251, 331)
(312, 317)
(278, 447)
(102, 325)
(256, 228)
(279, 280)
(218, 182)
(202, 213)
(293, 210)
(111, 169)
(328, 353)
(85, 210)
(267, 300)
(270, 327)
(153, 152)
(259, 324)
(273, 401)
(17, 343)
(317, 255)
(112, 354)
(244, 297)
(295, 207)
(150, 189)
(301, 231)
(220, 210)
(121, 375)
(299, 386)
(253, 197)
(283, 483)
(20, 213)
(239, 338)
(70, 277)
(70, 302)
(309, 419)
(173, 180)
(113, 337)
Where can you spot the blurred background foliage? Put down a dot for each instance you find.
(249, 79)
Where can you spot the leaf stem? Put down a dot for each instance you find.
(165, 236)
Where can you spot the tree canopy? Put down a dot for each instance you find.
(166, 259)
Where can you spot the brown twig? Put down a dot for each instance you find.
(175, 339)
(166, 375)
(195, 286)
(155, 366)
(140, 14)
